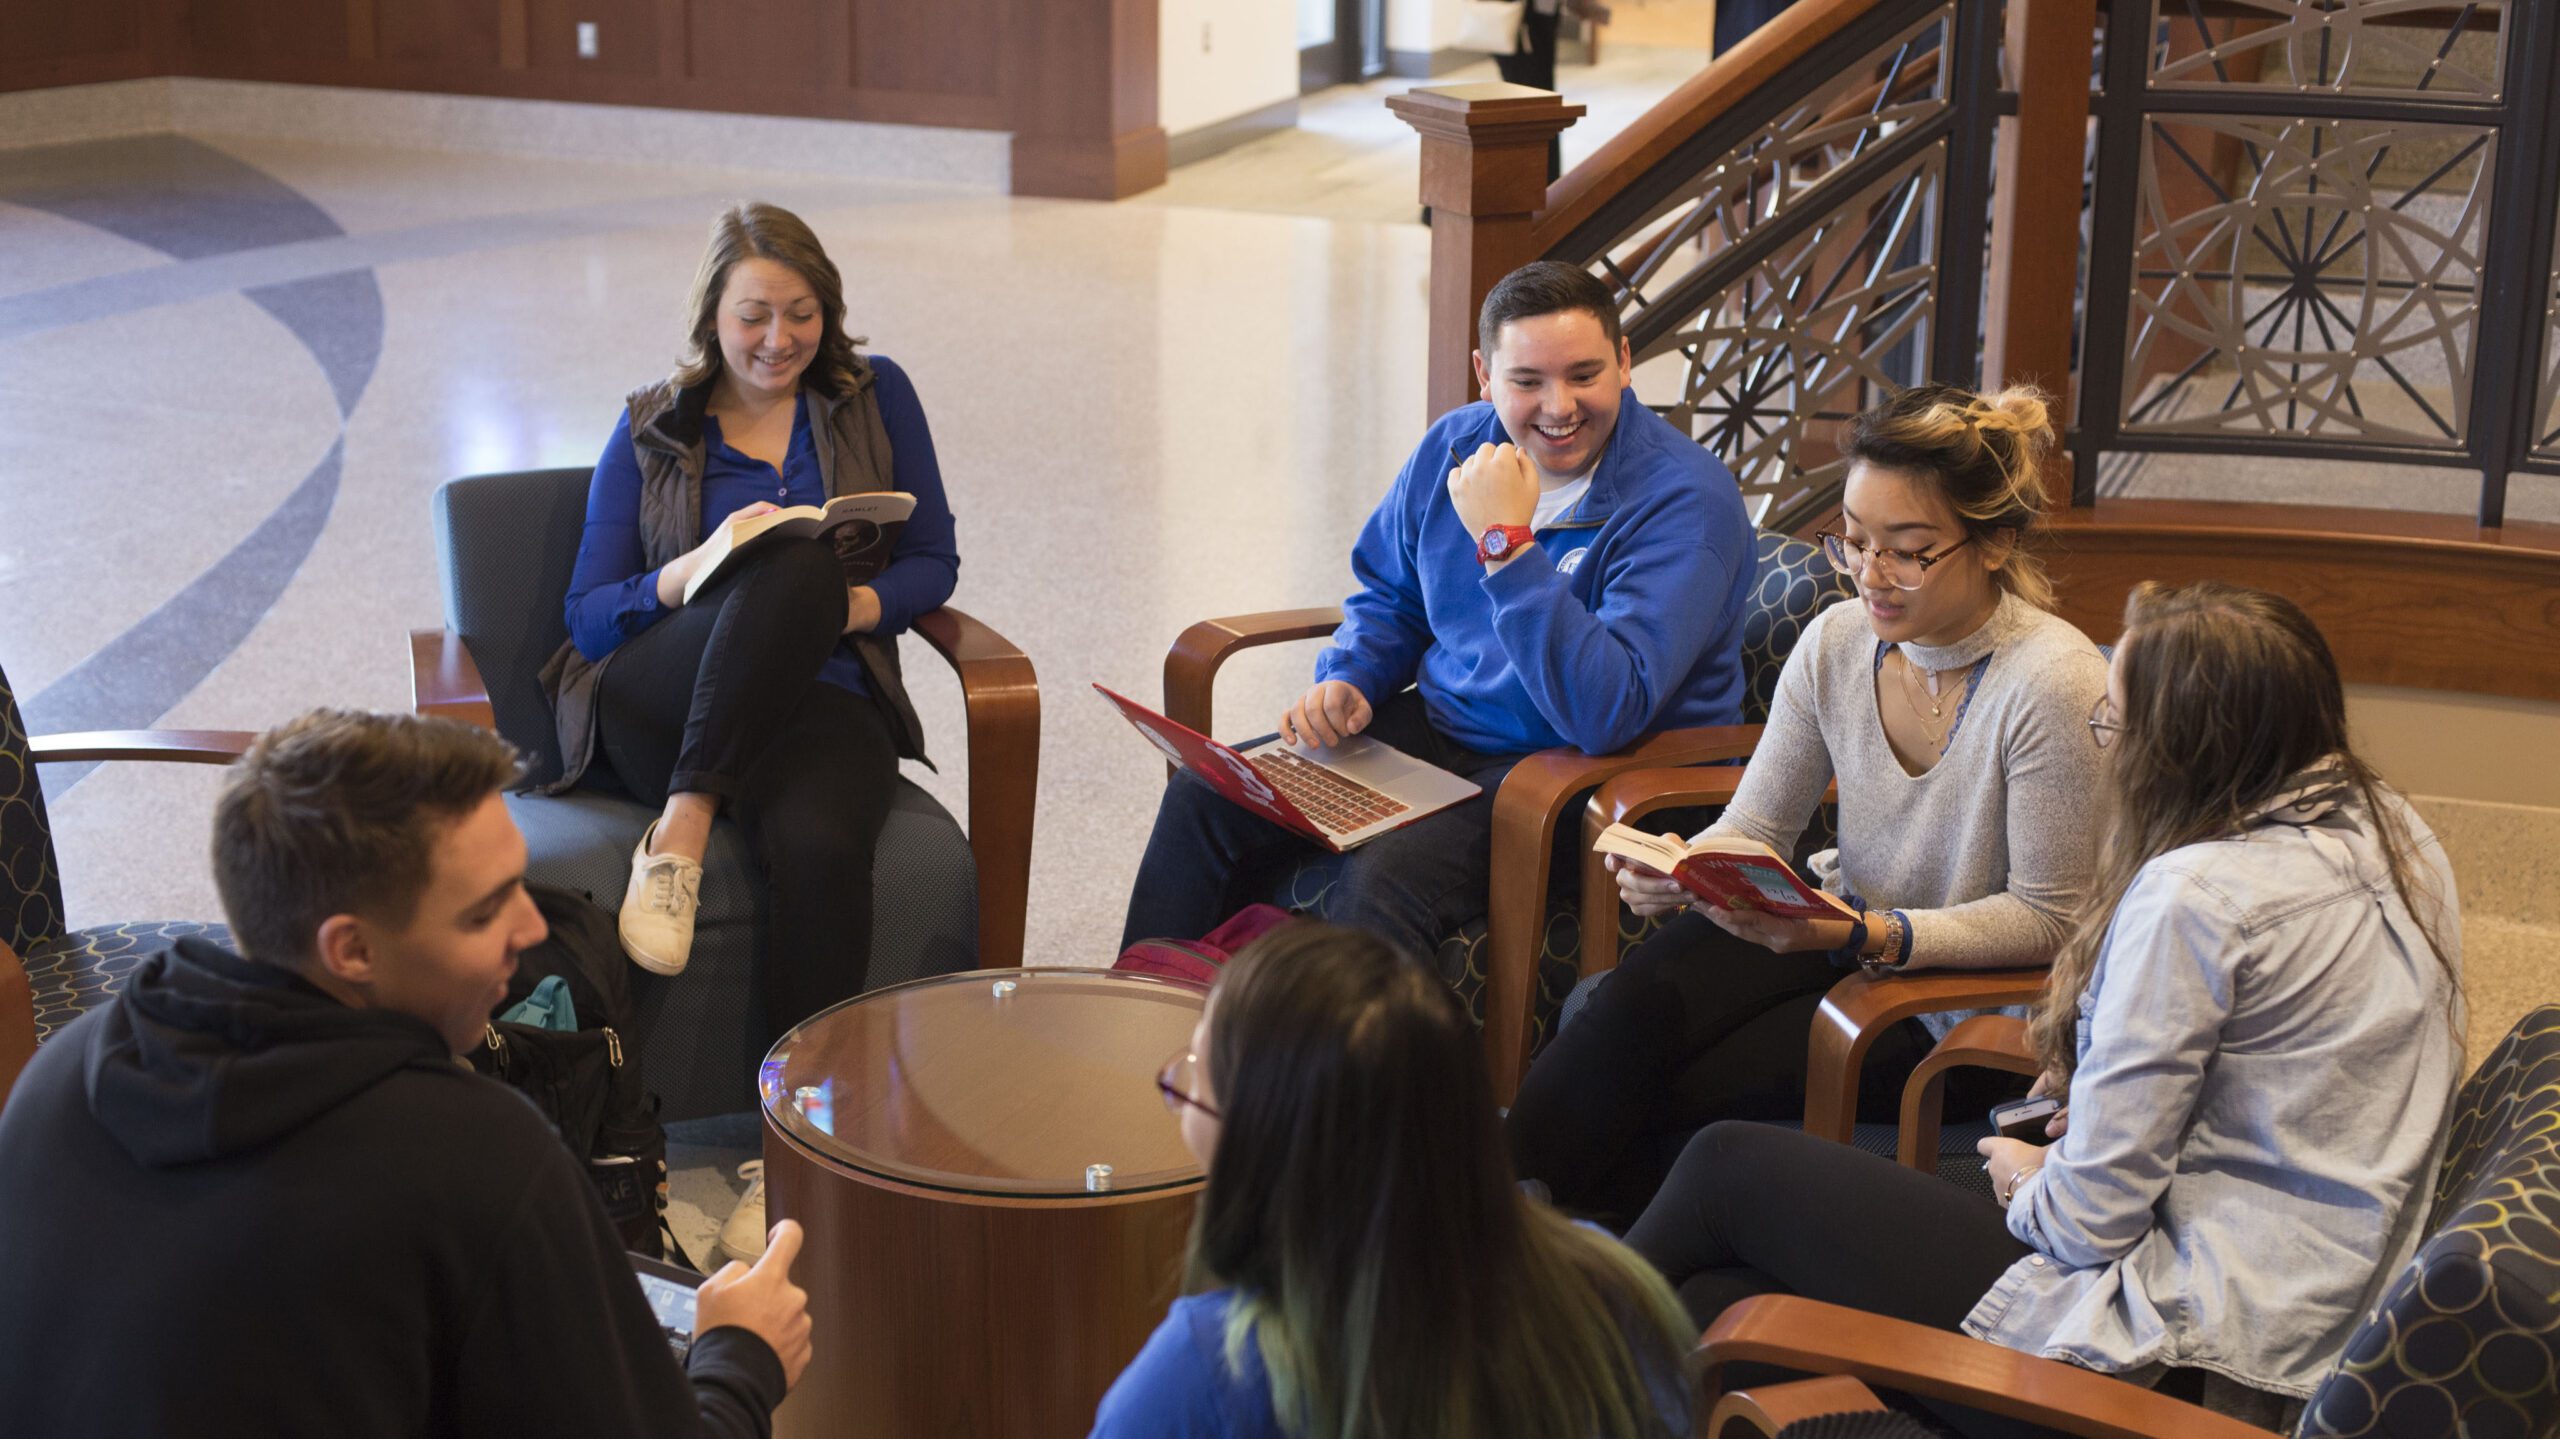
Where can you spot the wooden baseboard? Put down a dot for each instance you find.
(1220, 136)
(1077, 169)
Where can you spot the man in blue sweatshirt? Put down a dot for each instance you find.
(1555, 566)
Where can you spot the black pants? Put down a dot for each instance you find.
(1755, 1209)
(1210, 857)
(1535, 67)
(1694, 1027)
(722, 698)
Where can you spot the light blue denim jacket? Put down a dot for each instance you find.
(2266, 1061)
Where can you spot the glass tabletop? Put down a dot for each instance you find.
(995, 1081)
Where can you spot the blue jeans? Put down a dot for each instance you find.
(1210, 857)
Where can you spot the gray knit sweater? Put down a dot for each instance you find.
(1988, 853)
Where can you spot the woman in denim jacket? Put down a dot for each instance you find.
(2257, 1024)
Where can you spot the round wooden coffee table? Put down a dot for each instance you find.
(994, 1198)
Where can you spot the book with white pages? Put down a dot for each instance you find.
(862, 528)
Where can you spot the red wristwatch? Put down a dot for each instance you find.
(1501, 542)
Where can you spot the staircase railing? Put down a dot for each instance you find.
(2268, 230)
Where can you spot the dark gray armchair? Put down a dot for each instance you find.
(948, 900)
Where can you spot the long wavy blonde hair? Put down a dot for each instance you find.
(2229, 693)
(754, 230)
(1984, 453)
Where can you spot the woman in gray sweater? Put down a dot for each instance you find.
(1949, 704)
(2257, 1027)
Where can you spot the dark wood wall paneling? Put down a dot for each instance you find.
(1082, 108)
(831, 59)
(55, 42)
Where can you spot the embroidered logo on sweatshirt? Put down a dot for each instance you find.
(1572, 560)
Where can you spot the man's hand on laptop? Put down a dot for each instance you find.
(763, 1301)
(1496, 486)
(1330, 712)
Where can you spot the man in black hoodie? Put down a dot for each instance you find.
(257, 1194)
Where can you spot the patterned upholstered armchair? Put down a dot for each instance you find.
(50, 975)
(2466, 1340)
(505, 544)
(1515, 964)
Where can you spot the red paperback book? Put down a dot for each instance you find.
(1726, 872)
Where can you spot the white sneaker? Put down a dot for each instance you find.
(742, 1238)
(656, 922)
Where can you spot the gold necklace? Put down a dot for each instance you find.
(1913, 697)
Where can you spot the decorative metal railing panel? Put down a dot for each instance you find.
(2331, 233)
(2316, 230)
(2371, 47)
(1801, 158)
(2289, 291)
(1805, 337)
(1796, 270)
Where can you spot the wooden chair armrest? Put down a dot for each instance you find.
(1772, 1407)
(1628, 799)
(1861, 1006)
(1985, 1041)
(1000, 697)
(1525, 810)
(1191, 666)
(17, 1020)
(445, 681)
(181, 746)
(1800, 1334)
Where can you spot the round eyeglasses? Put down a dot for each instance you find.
(1175, 1082)
(1902, 569)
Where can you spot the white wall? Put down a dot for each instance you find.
(1316, 21)
(1250, 60)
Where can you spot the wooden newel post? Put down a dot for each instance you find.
(1484, 175)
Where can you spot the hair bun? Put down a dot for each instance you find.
(2021, 410)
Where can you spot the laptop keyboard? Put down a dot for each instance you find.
(1334, 803)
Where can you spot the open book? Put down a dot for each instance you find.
(1726, 872)
(864, 529)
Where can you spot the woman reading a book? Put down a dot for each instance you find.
(1949, 704)
(1361, 1263)
(2255, 1024)
(774, 690)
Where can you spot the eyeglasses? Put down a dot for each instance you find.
(2104, 731)
(1902, 569)
(1175, 1081)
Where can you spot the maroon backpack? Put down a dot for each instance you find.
(1199, 961)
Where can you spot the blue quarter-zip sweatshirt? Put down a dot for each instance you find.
(1624, 618)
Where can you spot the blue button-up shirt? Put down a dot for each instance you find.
(611, 597)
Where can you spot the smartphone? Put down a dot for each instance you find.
(671, 1297)
(2024, 1118)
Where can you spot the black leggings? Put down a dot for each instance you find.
(1755, 1209)
(1695, 1026)
(722, 698)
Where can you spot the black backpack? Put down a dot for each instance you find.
(587, 1082)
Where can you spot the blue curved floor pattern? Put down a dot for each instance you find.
(190, 201)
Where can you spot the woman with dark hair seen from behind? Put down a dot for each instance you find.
(1362, 1265)
(774, 692)
(2256, 1023)
(1948, 705)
